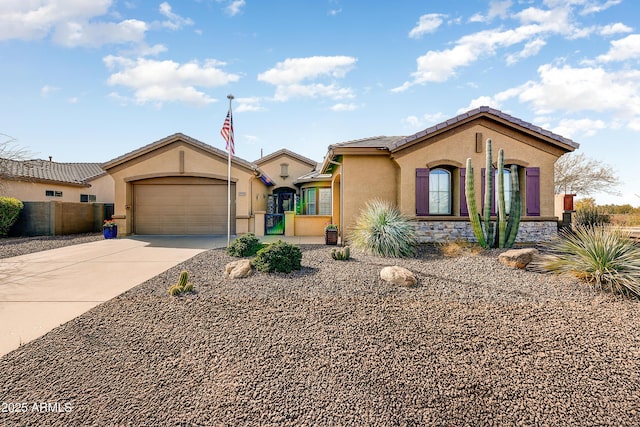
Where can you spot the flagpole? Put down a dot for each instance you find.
(230, 98)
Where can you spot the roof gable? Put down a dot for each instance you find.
(177, 137)
(493, 114)
(286, 153)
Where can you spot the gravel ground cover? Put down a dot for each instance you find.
(475, 343)
(14, 246)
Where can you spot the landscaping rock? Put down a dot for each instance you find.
(398, 276)
(238, 269)
(518, 258)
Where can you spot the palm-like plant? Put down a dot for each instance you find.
(382, 230)
(601, 255)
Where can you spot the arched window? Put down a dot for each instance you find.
(439, 192)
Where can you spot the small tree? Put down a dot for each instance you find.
(9, 153)
(578, 174)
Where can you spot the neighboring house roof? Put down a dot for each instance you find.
(285, 152)
(174, 138)
(77, 174)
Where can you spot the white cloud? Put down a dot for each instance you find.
(424, 121)
(536, 24)
(74, 34)
(623, 49)
(175, 21)
(618, 27)
(532, 48)
(167, 81)
(71, 22)
(426, 24)
(496, 9)
(334, 12)
(46, 90)
(597, 6)
(344, 107)
(233, 7)
(288, 77)
(570, 128)
(249, 104)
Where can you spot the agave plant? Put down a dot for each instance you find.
(382, 230)
(602, 255)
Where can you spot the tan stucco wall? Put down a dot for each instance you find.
(167, 161)
(455, 148)
(26, 191)
(366, 177)
(296, 169)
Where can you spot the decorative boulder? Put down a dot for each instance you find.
(398, 276)
(518, 258)
(238, 269)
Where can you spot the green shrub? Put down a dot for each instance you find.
(244, 246)
(382, 230)
(279, 256)
(10, 209)
(341, 254)
(603, 256)
(591, 216)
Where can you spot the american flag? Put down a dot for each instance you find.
(227, 133)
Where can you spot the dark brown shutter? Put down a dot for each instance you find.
(422, 191)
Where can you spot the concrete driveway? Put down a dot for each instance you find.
(43, 290)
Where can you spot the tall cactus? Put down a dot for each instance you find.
(474, 216)
(503, 234)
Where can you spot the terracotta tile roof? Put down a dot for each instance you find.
(469, 115)
(372, 142)
(45, 170)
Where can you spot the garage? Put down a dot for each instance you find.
(182, 205)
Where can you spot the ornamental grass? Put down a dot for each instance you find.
(383, 231)
(600, 255)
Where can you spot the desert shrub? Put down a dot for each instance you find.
(382, 230)
(603, 256)
(244, 246)
(10, 209)
(591, 216)
(279, 256)
(456, 248)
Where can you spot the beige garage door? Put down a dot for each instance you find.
(182, 206)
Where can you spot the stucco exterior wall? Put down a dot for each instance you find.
(366, 177)
(453, 148)
(296, 169)
(32, 191)
(181, 159)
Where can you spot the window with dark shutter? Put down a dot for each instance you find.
(422, 191)
(533, 191)
(464, 210)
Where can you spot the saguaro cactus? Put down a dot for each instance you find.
(503, 234)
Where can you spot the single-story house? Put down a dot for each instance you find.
(45, 180)
(178, 185)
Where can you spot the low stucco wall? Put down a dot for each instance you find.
(311, 225)
(442, 231)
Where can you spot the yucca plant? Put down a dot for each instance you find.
(601, 255)
(382, 230)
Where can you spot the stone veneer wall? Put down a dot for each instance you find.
(442, 231)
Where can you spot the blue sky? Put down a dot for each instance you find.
(90, 80)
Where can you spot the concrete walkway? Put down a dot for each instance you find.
(43, 290)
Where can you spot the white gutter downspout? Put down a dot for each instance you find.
(341, 199)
